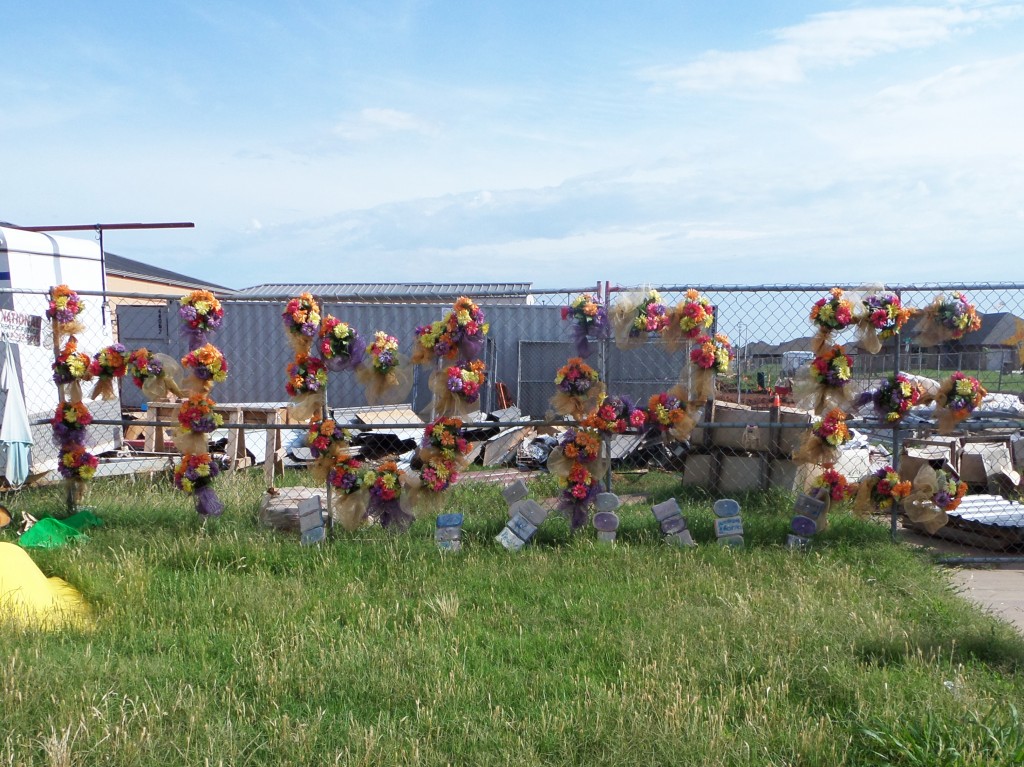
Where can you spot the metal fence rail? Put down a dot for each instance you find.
(744, 442)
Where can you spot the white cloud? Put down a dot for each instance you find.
(826, 40)
(375, 122)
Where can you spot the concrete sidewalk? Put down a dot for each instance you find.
(998, 588)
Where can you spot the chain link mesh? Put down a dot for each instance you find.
(743, 442)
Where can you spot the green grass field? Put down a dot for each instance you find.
(231, 645)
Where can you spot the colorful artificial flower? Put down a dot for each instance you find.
(306, 375)
(460, 335)
(302, 318)
(832, 368)
(581, 444)
(590, 321)
(341, 347)
(895, 396)
(581, 488)
(77, 463)
(142, 365)
(695, 315)
(384, 352)
(194, 471)
(958, 315)
(195, 475)
(712, 353)
(886, 313)
(197, 415)
(887, 489)
(832, 429)
(438, 474)
(384, 482)
(833, 483)
(832, 313)
(616, 415)
(326, 436)
(71, 365)
(346, 474)
(464, 381)
(950, 492)
(576, 377)
(69, 423)
(64, 306)
(201, 312)
(651, 316)
(447, 436)
(109, 362)
(965, 394)
(207, 364)
(665, 412)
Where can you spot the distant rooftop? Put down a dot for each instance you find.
(127, 267)
(406, 291)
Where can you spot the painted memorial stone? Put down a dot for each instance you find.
(515, 492)
(798, 542)
(311, 521)
(728, 526)
(666, 509)
(606, 523)
(510, 540)
(312, 536)
(673, 525)
(809, 506)
(448, 534)
(607, 502)
(682, 538)
(530, 509)
(730, 540)
(726, 507)
(804, 526)
(522, 527)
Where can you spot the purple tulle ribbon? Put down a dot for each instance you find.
(207, 502)
(65, 435)
(578, 509)
(195, 337)
(391, 516)
(471, 348)
(356, 353)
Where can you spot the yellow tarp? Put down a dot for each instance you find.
(28, 599)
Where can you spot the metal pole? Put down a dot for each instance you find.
(894, 514)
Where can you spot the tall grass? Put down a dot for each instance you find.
(229, 644)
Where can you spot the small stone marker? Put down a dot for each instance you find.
(510, 540)
(607, 502)
(515, 492)
(311, 521)
(809, 518)
(530, 509)
(682, 538)
(673, 523)
(666, 509)
(728, 524)
(527, 516)
(448, 534)
(798, 542)
(607, 524)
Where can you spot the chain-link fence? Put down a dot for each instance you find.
(745, 436)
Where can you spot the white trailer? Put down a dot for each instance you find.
(30, 263)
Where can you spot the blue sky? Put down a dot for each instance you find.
(559, 143)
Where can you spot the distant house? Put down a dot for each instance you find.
(998, 345)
